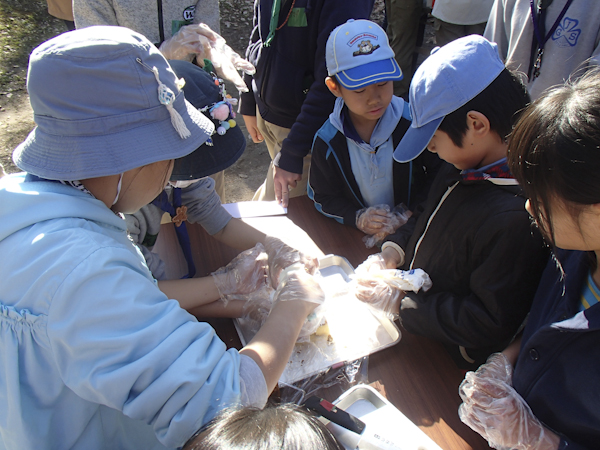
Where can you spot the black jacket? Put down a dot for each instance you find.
(558, 368)
(485, 259)
(333, 187)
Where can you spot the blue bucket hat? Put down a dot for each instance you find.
(105, 101)
(358, 53)
(449, 78)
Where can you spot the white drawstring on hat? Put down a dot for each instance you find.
(167, 97)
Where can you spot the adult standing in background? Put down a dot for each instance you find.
(62, 9)
(546, 40)
(157, 20)
(454, 19)
(287, 100)
(403, 32)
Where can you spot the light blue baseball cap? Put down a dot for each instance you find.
(449, 78)
(358, 53)
(105, 101)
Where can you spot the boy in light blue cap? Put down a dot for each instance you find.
(472, 236)
(353, 177)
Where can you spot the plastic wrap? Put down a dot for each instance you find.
(336, 379)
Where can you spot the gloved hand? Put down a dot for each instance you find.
(385, 288)
(377, 293)
(495, 410)
(282, 255)
(246, 273)
(379, 221)
(373, 263)
(198, 40)
(296, 284)
(373, 219)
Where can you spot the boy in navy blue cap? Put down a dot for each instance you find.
(472, 236)
(353, 177)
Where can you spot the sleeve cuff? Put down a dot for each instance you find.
(253, 386)
(396, 247)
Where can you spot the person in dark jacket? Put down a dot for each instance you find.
(353, 177)
(552, 400)
(472, 237)
(288, 100)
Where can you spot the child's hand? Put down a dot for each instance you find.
(252, 127)
(373, 263)
(498, 413)
(373, 219)
(378, 294)
(246, 273)
(282, 255)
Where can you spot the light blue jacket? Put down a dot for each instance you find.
(92, 354)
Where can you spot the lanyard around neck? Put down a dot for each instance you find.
(537, 17)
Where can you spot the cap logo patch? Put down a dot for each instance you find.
(365, 48)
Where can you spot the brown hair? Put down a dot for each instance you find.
(281, 427)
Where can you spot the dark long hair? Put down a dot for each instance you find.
(281, 427)
(554, 150)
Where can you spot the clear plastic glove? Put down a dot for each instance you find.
(385, 288)
(379, 221)
(373, 263)
(282, 256)
(379, 294)
(246, 273)
(493, 408)
(373, 219)
(296, 284)
(198, 40)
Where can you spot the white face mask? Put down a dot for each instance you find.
(118, 190)
(182, 183)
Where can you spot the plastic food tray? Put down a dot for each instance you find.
(356, 329)
(381, 418)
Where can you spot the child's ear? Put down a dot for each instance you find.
(333, 86)
(478, 123)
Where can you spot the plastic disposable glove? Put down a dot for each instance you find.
(373, 219)
(384, 289)
(198, 40)
(379, 221)
(373, 263)
(493, 408)
(282, 256)
(297, 285)
(378, 294)
(246, 273)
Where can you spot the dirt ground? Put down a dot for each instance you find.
(241, 180)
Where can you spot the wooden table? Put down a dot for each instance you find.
(416, 375)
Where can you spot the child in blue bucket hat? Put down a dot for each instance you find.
(93, 354)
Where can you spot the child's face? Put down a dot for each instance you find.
(369, 103)
(573, 231)
(142, 185)
(447, 150)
